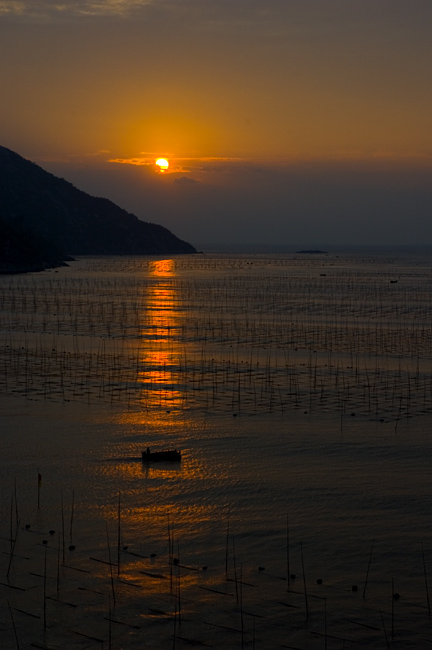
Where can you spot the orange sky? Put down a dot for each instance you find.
(204, 83)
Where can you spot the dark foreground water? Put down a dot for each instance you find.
(299, 390)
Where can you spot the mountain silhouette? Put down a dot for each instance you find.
(52, 220)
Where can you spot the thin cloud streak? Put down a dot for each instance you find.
(41, 9)
(211, 14)
(243, 14)
(150, 161)
(205, 163)
(277, 18)
(177, 165)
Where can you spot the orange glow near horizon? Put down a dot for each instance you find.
(322, 95)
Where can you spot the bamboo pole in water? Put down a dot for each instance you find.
(241, 607)
(178, 585)
(11, 535)
(109, 622)
(227, 541)
(58, 565)
(16, 500)
(426, 581)
(63, 527)
(72, 516)
(368, 567)
(175, 624)
(118, 535)
(170, 553)
(235, 569)
(110, 564)
(44, 590)
(288, 570)
(13, 626)
(384, 630)
(13, 549)
(325, 623)
(304, 582)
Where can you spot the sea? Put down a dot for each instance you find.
(298, 388)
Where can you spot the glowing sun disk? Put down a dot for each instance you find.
(162, 163)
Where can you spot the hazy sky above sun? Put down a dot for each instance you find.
(282, 120)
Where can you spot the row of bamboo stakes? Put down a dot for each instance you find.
(351, 341)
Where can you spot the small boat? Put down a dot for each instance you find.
(167, 455)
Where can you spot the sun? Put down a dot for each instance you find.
(163, 164)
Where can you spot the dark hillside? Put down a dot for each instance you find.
(21, 252)
(36, 202)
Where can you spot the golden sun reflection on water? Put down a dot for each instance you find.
(162, 268)
(160, 352)
(153, 495)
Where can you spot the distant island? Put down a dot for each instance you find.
(45, 221)
(313, 252)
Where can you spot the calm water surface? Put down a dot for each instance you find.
(299, 389)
